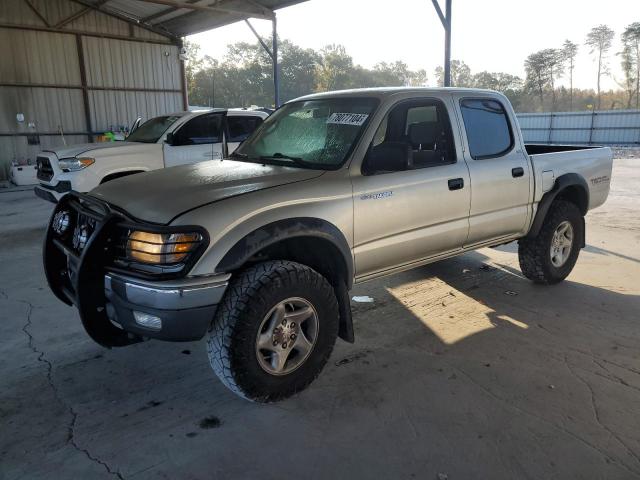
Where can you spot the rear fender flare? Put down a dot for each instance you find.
(562, 184)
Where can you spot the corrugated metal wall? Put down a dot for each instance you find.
(129, 71)
(613, 127)
(140, 79)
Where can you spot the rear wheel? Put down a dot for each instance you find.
(274, 331)
(551, 255)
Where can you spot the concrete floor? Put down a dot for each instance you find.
(461, 370)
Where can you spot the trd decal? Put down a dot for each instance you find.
(376, 196)
(598, 180)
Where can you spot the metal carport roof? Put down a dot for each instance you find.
(178, 18)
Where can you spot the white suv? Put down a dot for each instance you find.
(165, 141)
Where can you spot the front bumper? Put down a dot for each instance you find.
(79, 265)
(183, 308)
(52, 193)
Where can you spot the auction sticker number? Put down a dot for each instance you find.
(356, 119)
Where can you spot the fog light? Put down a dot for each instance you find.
(61, 222)
(147, 320)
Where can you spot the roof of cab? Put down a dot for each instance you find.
(379, 92)
(201, 110)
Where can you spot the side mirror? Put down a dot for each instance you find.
(135, 125)
(170, 139)
(389, 157)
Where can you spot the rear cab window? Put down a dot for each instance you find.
(487, 127)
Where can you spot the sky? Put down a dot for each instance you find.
(493, 35)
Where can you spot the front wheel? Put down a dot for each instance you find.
(274, 331)
(551, 255)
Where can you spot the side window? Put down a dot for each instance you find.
(241, 127)
(420, 127)
(487, 126)
(200, 130)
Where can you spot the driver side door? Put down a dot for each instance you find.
(197, 140)
(415, 211)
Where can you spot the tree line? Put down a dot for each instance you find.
(243, 77)
(545, 67)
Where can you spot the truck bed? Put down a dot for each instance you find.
(592, 163)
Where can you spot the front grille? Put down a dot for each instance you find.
(45, 171)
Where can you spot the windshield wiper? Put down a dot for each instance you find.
(280, 156)
(238, 155)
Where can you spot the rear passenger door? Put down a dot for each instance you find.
(499, 169)
(239, 127)
(420, 209)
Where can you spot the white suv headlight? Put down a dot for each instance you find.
(75, 164)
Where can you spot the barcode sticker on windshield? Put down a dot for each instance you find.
(356, 119)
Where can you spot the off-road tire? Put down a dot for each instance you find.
(534, 253)
(231, 343)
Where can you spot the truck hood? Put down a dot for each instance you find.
(161, 195)
(75, 150)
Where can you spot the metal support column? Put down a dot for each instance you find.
(273, 54)
(446, 23)
(274, 57)
(183, 79)
(85, 90)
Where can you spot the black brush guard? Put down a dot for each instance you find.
(76, 275)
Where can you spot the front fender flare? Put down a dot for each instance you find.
(275, 232)
(278, 231)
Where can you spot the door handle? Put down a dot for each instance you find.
(456, 184)
(517, 172)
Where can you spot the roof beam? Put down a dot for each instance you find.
(263, 12)
(443, 19)
(78, 14)
(100, 8)
(164, 12)
(37, 12)
(262, 42)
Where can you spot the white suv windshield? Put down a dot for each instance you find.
(312, 133)
(151, 130)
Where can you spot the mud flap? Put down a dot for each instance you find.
(345, 330)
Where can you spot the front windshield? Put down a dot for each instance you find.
(313, 133)
(151, 130)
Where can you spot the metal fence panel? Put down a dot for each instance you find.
(608, 127)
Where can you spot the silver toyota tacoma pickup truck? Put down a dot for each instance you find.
(258, 252)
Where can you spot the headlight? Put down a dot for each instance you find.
(75, 164)
(161, 248)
